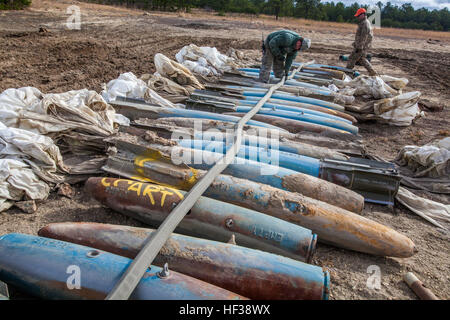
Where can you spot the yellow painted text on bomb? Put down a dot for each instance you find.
(145, 189)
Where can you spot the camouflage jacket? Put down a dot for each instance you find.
(282, 43)
(364, 35)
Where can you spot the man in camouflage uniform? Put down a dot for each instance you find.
(280, 49)
(363, 41)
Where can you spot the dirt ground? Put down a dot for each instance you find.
(114, 40)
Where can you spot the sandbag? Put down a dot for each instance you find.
(166, 88)
(85, 110)
(128, 85)
(400, 110)
(206, 61)
(37, 151)
(372, 86)
(19, 182)
(393, 82)
(176, 72)
(431, 160)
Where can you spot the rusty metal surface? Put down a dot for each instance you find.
(337, 74)
(160, 133)
(134, 160)
(251, 273)
(418, 287)
(129, 280)
(333, 225)
(251, 138)
(293, 126)
(345, 143)
(376, 184)
(316, 108)
(134, 111)
(39, 266)
(208, 218)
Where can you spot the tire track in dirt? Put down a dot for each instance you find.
(433, 67)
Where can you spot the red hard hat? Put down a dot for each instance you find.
(360, 11)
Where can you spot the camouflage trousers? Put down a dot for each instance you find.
(359, 57)
(268, 60)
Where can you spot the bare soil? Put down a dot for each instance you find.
(113, 40)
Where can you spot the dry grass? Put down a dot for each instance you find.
(260, 21)
(311, 25)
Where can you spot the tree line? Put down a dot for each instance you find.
(404, 16)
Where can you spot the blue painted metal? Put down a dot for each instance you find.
(300, 116)
(299, 163)
(188, 113)
(332, 224)
(253, 71)
(317, 65)
(335, 112)
(289, 84)
(301, 77)
(287, 97)
(43, 267)
(184, 178)
(323, 92)
(324, 72)
(263, 142)
(252, 273)
(246, 169)
(207, 218)
(312, 87)
(274, 106)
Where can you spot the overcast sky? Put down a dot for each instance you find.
(430, 4)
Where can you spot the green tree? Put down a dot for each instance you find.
(14, 4)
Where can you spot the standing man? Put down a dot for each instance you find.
(280, 49)
(363, 41)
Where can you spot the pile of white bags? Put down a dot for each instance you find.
(206, 61)
(84, 110)
(31, 122)
(128, 85)
(400, 110)
(27, 161)
(166, 88)
(176, 72)
(431, 160)
(370, 86)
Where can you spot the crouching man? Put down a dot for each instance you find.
(279, 50)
